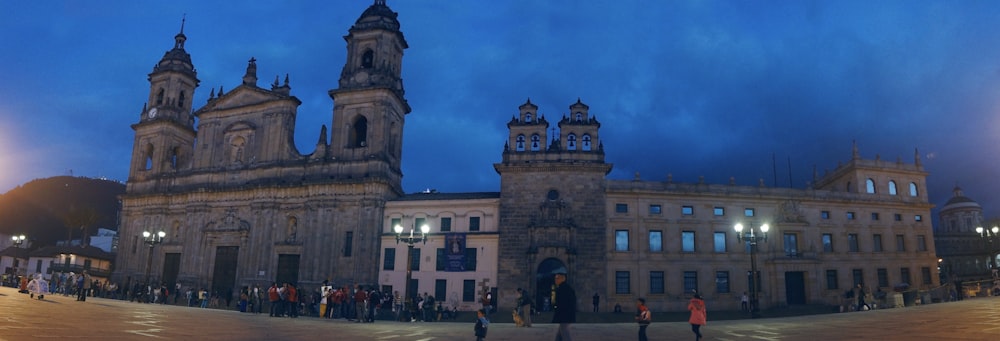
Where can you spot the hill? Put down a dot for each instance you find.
(54, 209)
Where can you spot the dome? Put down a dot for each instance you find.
(959, 200)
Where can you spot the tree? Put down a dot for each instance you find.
(82, 218)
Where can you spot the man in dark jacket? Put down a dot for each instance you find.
(565, 308)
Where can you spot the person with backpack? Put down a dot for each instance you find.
(482, 323)
(643, 317)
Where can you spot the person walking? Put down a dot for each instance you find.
(699, 316)
(744, 302)
(596, 300)
(565, 308)
(643, 317)
(482, 323)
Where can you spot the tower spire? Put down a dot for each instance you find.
(183, 19)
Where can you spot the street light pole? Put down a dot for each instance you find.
(991, 240)
(18, 240)
(752, 238)
(408, 305)
(151, 239)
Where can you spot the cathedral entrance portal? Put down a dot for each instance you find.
(288, 269)
(224, 276)
(544, 281)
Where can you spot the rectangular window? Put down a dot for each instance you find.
(415, 259)
(621, 208)
(720, 242)
(827, 242)
(441, 261)
(921, 243)
(791, 245)
(393, 222)
(883, 277)
(687, 241)
(440, 289)
(470, 259)
(749, 212)
(446, 224)
(858, 276)
(874, 216)
(824, 215)
(473, 223)
(831, 279)
(655, 241)
(897, 217)
(621, 240)
(655, 209)
(622, 282)
(918, 218)
(900, 243)
(722, 282)
(389, 260)
(690, 281)
(348, 240)
(850, 215)
(904, 274)
(719, 211)
(925, 275)
(877, 243)
(469, 290)
(418, 223)
(656, 282)
(687, 210)
(852, 242)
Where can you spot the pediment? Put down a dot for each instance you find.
(242, 96)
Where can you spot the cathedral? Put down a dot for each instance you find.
(239, 205)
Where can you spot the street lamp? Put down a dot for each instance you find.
(18, 240)
(752, 238)
(151, 239)
(991, 239)
(409, 262)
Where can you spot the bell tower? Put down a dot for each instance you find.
(369, 107)
(165, 134)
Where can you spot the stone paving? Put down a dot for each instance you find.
(22, 318)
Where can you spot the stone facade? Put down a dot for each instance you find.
(965, 256)
(239, 203)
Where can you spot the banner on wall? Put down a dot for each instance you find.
(455, 251)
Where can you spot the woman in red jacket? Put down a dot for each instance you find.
(698, 315)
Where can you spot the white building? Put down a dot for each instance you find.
(456, 274)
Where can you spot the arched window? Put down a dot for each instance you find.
(368, 59)
(536, 144)
(571, 141)
(586, 142)
(180, 99)
(173, 157)
(870, 186)
(848, 187)
(527, 117)
(159, 97)
(892, 187)
(579, 117)
(519, 143)
(148, 153)
(359, 133)
(913, 189)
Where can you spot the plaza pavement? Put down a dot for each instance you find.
(58, 317)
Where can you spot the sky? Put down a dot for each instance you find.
(746, 89)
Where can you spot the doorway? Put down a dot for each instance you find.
(795, 287)
(224, 275)
(288, 269)
(171, 267)
(545, 283)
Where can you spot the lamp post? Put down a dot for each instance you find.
(408, 305)
(751, 237)
(18, 240)
(151, 239)
(991, 240)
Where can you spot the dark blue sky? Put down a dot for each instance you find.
(688, 88)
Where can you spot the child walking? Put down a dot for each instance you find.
(481, 324)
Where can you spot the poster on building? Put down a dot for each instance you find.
(455, 251)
